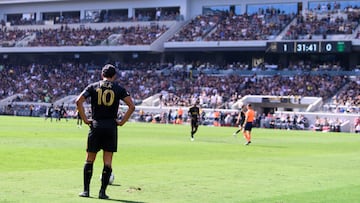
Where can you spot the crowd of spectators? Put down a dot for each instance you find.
(43, 83)
(284, 121)
(140, 35)
(197, 28)
(347, 100)
(309, 66)
(48, 83)
(323, 23)
(231, 27)
(84, 36)
(327, 125)
(8, 38)
(66, 36)
(295, 121)
(258, 26)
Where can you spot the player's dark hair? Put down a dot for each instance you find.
(108, 71)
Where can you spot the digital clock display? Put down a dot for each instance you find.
(306, 47)
(309, 47)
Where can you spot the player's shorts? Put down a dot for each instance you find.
(241, 123)
(194, 122)
(102, 138)
(248, 126)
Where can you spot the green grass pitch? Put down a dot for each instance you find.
(42, 161)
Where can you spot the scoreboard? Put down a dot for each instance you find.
(309, 47)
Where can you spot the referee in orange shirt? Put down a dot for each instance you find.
(249, 119)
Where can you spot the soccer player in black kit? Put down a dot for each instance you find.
(240, 120)
(194, 113)
(105, 96)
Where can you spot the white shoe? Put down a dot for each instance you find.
(192, 139)
(234, 134)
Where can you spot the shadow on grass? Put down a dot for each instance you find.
(117, 200)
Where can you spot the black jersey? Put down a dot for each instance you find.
(105, 98)
(242, 118)
(194, 112)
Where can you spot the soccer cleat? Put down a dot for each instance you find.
(234, 134)
(248, 143)
(84, 194)
(192, 139)
(102, 195)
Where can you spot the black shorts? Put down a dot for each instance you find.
(248, 126)
(102, 138)
(194, 122)
(241, 123)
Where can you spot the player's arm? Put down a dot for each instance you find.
(131, 108)
(80, 107)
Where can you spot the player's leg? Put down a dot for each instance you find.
(92, 149)
(238, 130)
(106, 173)
(87, 173)
(195, 128)
(241, 123)
(247, 133)
(192, 130)
(246, 136)
(109, 147)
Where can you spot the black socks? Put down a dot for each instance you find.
(106, 173)
(88, 171)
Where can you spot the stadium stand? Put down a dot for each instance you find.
(258, 26)
(172, 55)
(322, 24)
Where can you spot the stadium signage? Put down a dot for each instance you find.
(309, 47)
